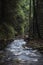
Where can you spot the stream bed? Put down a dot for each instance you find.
(17, 53)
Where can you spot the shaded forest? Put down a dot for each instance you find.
(21, 19)
(21, 32)
(14, 18)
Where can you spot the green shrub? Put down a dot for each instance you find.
(7, 31)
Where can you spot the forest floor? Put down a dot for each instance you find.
(36, 44)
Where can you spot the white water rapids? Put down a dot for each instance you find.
(23, 53)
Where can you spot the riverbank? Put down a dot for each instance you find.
(36, 44)
(16, 54)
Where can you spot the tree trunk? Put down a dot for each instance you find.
(36, 16)
(35, 19)
(29, 20)
(3, 10)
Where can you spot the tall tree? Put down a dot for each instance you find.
(35, 18)
(29, 18)
(2, 10)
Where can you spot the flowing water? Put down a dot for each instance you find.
(17, 53)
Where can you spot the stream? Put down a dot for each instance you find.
(17, 53)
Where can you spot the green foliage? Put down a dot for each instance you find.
(16, 18)
(6, 31)
(21, 16)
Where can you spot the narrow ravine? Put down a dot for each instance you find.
(17, 53)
